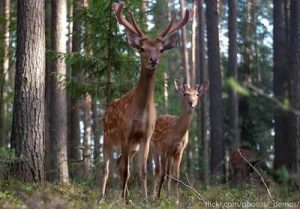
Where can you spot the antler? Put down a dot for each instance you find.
(118, 9)
(175, 26)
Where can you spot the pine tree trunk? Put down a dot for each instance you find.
(74, 102)
(58, 102)
(5, 11)
(233, 116)
(49, 159)
(96, 131)
(294, 119)
(87, 134)
(201, 76)
(215, 90)
(280, 84)
(28, 127)
(186, 66)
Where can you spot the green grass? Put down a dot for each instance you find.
(14, 194)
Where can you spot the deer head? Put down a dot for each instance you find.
(191, 95)
(149, 49)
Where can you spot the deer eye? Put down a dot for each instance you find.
(162, 50)
(184, 94)
(142, 49)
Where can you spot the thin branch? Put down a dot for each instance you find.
(189, 187)
(261, 177)
(275, 100)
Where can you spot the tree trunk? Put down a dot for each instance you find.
(186, 66)
(215, 90)
(74, 102)
(233, 116)
(280, 84)
(193, 71)
(58, 102)
(96, 131)
(49, 159)
(201, 77)
(248, 53)
(5, 11)
(87, 134)
(28, 127)
(294, 119)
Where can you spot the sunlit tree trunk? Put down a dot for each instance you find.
(87, 119)
(185, 63)
(28, 127)
(58, 101)
(4, 68)
(193, 69)
(215, 90)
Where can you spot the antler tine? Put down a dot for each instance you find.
(118, 9)
(176, 26)
(135, 25)
(166, 31)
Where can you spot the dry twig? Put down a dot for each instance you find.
(188, 186)
(261, 177)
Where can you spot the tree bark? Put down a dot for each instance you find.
(5, 12)
(201, 77)
(186, 66)
(215, 90)
(87, 134)
(28, 127)
(294, 119)
(58, 107)
(280, 84)
(96, 127)
(74, 102)
(49, 159)
(233, 115)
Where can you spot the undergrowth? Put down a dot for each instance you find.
(15, 194)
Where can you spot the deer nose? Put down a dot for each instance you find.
(153, 60)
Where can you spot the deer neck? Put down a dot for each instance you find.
(184, 121)
(145, 89)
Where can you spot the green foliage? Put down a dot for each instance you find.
(237, 87)
(7, 157)
(15, 194)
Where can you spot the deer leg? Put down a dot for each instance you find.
(123, 163)
(157, 171)
(169, 169)
(106, 157)
(176, 172)
(142, 157)
(163, 176)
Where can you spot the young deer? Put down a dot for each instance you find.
(240, 170)
(129, 121)
(171, 136)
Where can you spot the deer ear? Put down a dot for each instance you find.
(171, 42)
(179, 86)
(203, 88)
(134, 40)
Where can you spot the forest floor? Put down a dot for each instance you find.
(15, 194)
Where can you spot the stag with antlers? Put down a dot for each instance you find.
(171, 137)
(129, 121)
